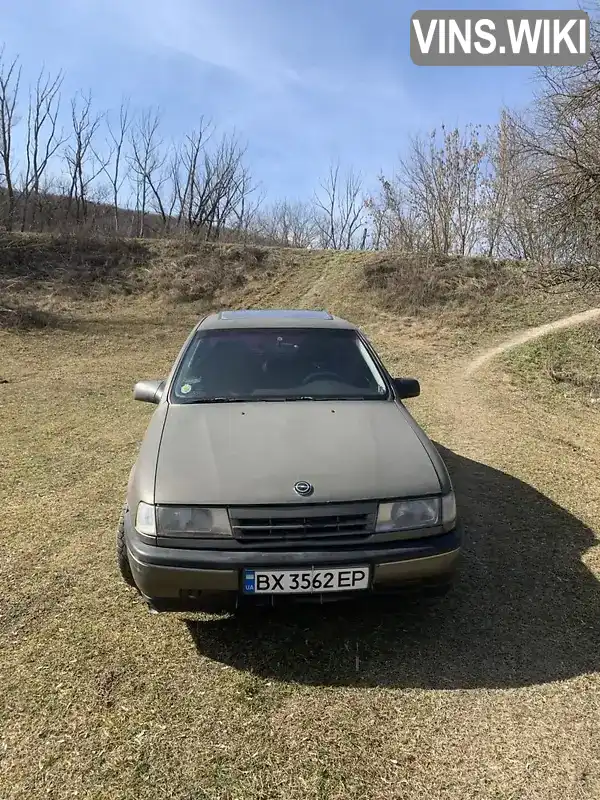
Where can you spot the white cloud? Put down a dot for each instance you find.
(242, 38)
(229, 36)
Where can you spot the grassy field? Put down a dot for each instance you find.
(563, 365)
(492, 693)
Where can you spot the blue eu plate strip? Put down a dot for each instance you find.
(249, 581)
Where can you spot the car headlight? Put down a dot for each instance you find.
(145, 519)
(408, 514)
(182, 521)
(449, 511)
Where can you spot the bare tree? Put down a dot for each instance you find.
(214, 186)
(43, 142)
(442, 180)
(183, 170)
(299, 225)
(10, 78)
(190, 173)
(246, 208)
(339, 206)
(115, 165)
(497, 185)
(288, 224)
(465, 154)
(394, 219)
(421, 176)
(513, 202)
(98, 199)
(196, 187)
(376, 212)
(227, 184)
(147, 162)
(563, 138)
(172, 179)
(82, 164)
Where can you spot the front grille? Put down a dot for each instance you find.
(306, 523)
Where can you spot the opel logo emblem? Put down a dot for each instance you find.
(303, 488)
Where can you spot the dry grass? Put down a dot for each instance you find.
(478, 293)
(77, 267)
(494, 693)
(23, 316)
(565, 365)
(424, 281)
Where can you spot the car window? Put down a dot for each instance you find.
(272, 364)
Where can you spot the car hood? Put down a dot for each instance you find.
(253, 453)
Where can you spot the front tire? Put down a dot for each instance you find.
(122, 557)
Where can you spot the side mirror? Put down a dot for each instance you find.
(407, 387)
(148, 391)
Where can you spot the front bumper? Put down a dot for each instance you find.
(163, 573)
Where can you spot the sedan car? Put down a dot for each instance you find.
(281, 463)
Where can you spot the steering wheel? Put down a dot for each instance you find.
(316, 375)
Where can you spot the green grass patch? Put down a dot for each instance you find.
(563, 364)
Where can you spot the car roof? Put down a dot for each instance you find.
(274, 318)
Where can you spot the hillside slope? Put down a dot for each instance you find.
(452, 304)
(64, 274)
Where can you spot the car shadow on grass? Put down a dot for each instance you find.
(526, 610)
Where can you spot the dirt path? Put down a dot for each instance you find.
(530, 334)
(496, 421)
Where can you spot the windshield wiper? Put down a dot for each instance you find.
(293, 399)
(337, 398)
(357, 397)
(316, 398)
(200, 400)
(270, 398)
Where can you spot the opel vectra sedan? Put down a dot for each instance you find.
(281, 461)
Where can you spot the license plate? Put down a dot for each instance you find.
(311, 581)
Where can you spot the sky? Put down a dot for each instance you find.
(302, 82)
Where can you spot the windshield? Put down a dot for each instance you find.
(277, 364)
